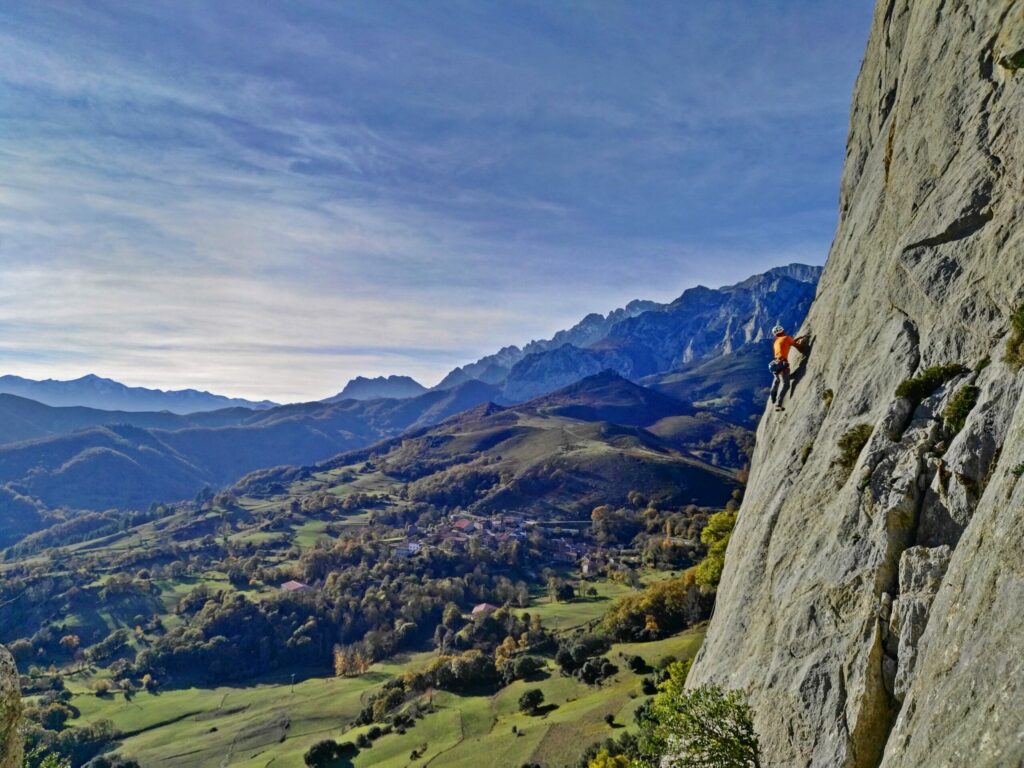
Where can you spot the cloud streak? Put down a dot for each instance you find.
(265, 200)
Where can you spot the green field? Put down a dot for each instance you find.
(271, 722)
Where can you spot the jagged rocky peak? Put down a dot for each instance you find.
(870, 603)
(10, 713)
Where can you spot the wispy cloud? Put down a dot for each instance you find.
(266, 199)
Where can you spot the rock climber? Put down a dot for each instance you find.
(779, 366)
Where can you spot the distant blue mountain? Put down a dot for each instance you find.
(107, 395)
(362, 388)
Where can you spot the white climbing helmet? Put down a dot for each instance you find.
(777, 330)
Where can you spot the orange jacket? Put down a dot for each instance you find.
(783, 344)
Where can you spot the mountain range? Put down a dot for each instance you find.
(106, 394)
(555, 456)
(702, 358)
(646, 338)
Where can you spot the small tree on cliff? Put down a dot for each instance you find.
(705, 727)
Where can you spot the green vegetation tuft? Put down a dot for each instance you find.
(930, 379)
(827, 396)
(851, 444)
(982, 364)
(960, 406)
(1015, 344)
(705, 726)
(715, 537)
(1013, 61)
(805, 454)
(1018, 470)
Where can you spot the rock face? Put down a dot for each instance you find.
(921, 572)
(837, 611)
(10, 712)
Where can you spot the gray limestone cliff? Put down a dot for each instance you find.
(10, 712)
(873, 613)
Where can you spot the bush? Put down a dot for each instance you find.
(851, 444)
(321, 754)
(111, 761)
(575, 650)
(531, 700)
(704, 726)
(715, 537)
(805, 453)
(595, 670)
(1015, 344)
(604, 759)
(636, 664)
(930, 379)
(661, 609)
(959, 407)
(521, 667)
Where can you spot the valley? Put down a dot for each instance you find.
(237, 585)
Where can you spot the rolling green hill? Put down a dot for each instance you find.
(558, 455)
(82, 458)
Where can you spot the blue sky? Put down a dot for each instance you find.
(265, 199)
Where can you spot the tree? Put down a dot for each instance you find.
(322, 754)
(706, 727)
(530, 701)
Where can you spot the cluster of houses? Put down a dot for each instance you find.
(565, 545)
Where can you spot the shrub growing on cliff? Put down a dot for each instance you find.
(1015, 344)
(927, 381)
(705, 726)
(851, 444)
(715, 537)
(960, 406)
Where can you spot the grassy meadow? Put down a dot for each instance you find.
(272, 722)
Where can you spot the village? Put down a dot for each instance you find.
(567, 546)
